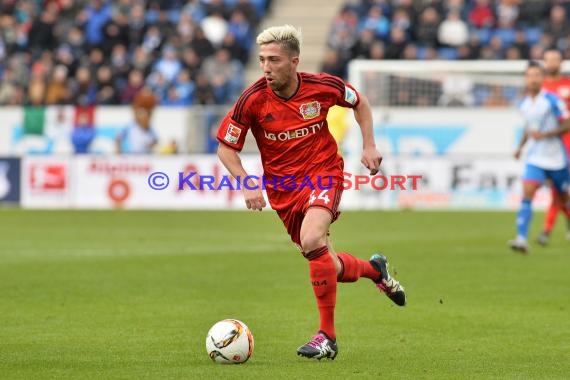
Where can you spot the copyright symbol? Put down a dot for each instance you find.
(158, 181)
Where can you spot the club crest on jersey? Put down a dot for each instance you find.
(232, 134)
(310, 110)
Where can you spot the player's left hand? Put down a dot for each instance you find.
(371, 159)
(536, 135)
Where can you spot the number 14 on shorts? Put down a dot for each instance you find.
(321, 198)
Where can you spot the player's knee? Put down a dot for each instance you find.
(312, 240)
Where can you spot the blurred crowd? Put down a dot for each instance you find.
(102, 52)
(446, 29)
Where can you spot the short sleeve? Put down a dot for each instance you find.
(231, 133)
(560, 110)
(349, 97)
(346, 95)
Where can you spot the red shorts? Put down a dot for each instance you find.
(291, 206)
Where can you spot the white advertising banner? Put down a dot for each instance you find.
(55, 124)
(47, 182)
(132, 182)
(201, 182)
(446, 183)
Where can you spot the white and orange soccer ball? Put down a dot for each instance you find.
(229, 342)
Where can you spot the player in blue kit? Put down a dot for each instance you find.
(546, 119)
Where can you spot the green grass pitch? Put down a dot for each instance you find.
(131, 295)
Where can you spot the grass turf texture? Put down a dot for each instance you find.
(132, 295)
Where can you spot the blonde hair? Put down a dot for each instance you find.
(285, 35)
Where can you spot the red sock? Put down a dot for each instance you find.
(323, 279)
(353, 268)
(551, 213)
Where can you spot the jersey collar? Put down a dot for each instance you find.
(299, 80)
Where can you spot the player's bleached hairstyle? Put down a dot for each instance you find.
(287, 36)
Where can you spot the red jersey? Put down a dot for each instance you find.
(560, 87)
(292, 134)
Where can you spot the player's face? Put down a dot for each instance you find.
(533, 79)
(552, 62)
(278, 65)
(142, 117)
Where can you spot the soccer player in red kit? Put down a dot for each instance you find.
(560, 85)
(286, 112)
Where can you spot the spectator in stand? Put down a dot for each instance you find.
(482, 15)
(83, 88)
(397, 44)
(126, 35)
(453, 30)
(557, 25)
(401, 19)
(507, 13)
(226, 76)
(204, 91)
(377, 50)
(377, 22)
(94, 16)
(361, 48)
(58, 91)
(215, 28)
(169, 65)
(41, 36)
(333, 65)
(134, 85)
(427, 28)
(241, 30)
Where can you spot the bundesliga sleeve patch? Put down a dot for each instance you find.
(350, 95)
(232, 134)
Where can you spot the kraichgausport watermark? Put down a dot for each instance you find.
(200, 182)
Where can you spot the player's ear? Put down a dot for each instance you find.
(295, 60)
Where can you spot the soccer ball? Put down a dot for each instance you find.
(229, 341)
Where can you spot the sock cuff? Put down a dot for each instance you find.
(316, 253)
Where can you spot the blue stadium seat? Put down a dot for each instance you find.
(447, 53)
(533, 35)
(506, 35)
(484, 35)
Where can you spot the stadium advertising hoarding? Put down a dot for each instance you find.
(54, 129)
(464, 156)
(104, 182)
(46, 182)
(132, 182)
(451, 182)
(10, 180)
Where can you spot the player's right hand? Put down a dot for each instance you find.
(254, 198)
(517, 154)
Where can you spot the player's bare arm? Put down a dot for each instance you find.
(523, 141)
(371, 158)
(253, 198)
